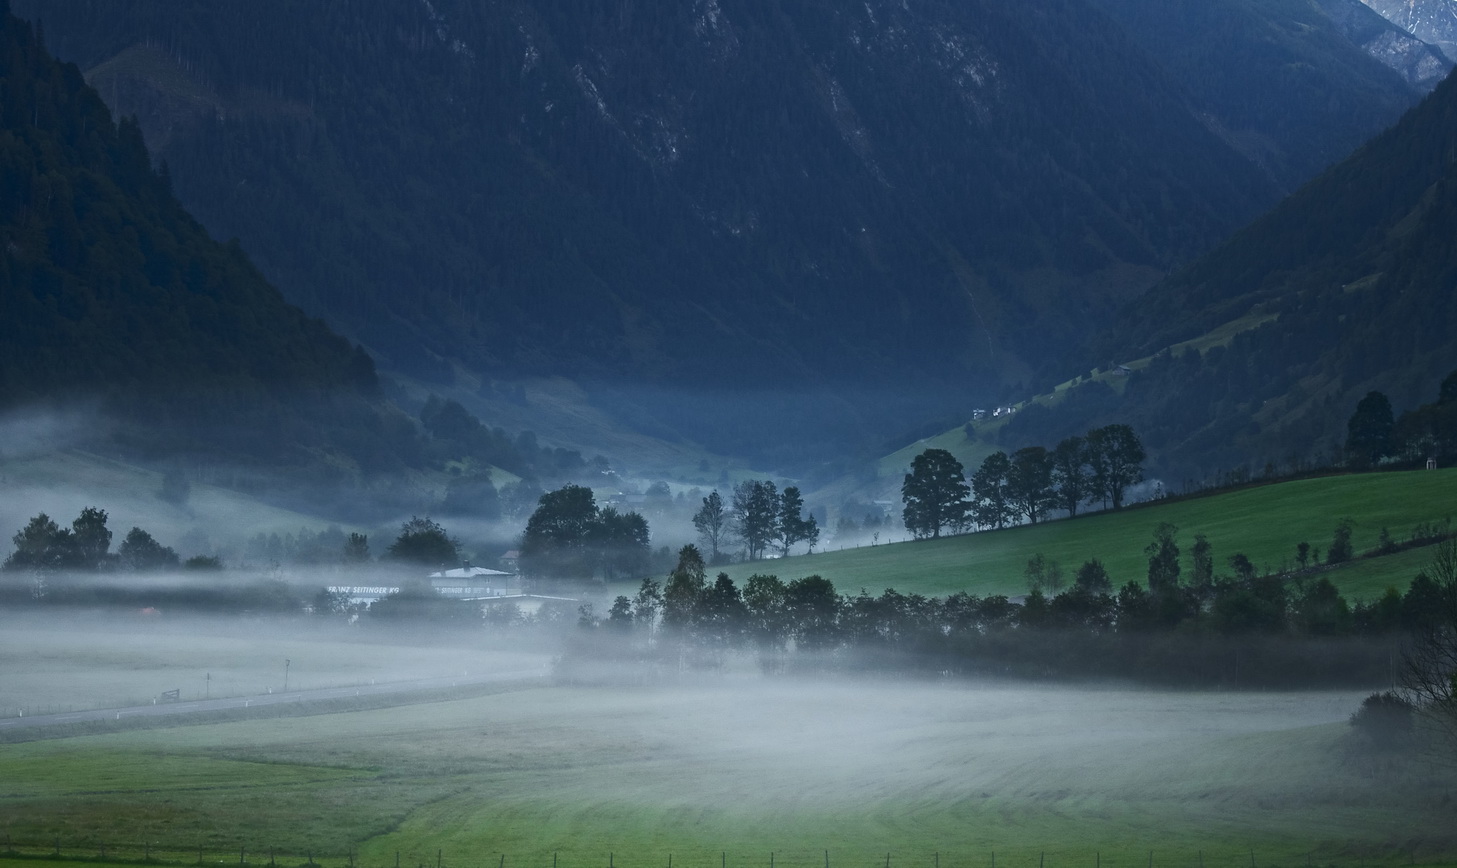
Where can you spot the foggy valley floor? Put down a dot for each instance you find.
(714, 768)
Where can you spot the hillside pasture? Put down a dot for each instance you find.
(1264, 522)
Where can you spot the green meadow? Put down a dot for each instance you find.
(1264, 522)
(728, 770)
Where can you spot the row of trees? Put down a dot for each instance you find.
(1239, 627)
(1242, 628)
(1027, 485)
(43, 546)
(759, 516)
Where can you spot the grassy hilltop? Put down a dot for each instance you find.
(1264, 522)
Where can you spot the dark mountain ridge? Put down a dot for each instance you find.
(1350, 285)
(113, 297)
(725, 217)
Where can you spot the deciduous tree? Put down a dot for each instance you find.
(712, 523)
(991, 505)
(755, 515)
(793, 526)
(425, 543)
(1116, 456)
(934, 493)
(1070, 481)
(1029, 483)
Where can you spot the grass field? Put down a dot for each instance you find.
(728, 771)
(1263, 522)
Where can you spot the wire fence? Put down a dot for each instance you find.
(59, 850)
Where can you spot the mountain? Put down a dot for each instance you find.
(115, 299)
(1259, 352)
(1293, 85)
(770, 228)
(1433, 21)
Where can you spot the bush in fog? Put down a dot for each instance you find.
(1384, 721)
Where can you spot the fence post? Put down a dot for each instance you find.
(827, 859)
(242, 855)
(439, 854)
(503, 860)
(887, 860)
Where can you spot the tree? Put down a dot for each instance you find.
(721, 616)
(40, 545)
(44, 545)
(1202, 578)
(622, 543)
(619, 617)
(1029, 483)
(1070, 481)
(813, 608)
(555, 542)
(1368, 431)
(1340, 550)
(680, 595)
(991, 506)
(1092, 577)
(140, 553)
(1043, 575)
(755, 515)
(712, 523)
(766, 604)
(1116, 457)
(1163, 558)
(425, 543)
(356, 549)
(792, 525)
(934, 493)
(91, 538)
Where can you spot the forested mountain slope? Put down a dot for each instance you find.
(1349, 285)
(766, 227)
(113, 297)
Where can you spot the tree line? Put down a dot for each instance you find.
(44, 546)
(760, 517)
(1027, 485)
(1234, 627)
